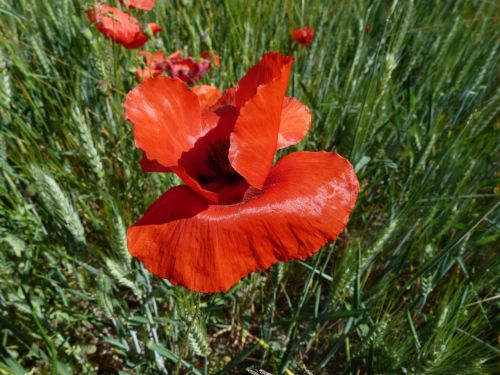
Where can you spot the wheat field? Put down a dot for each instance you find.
(408, 91)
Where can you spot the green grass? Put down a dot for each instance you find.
(407, 90)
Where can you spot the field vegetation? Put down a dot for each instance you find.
(408, 91)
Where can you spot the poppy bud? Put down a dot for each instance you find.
(146, 29)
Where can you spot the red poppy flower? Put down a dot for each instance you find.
(156, 63)
(139, 4)
(237, 212)
(304, 36)
(187, 69)
(120, 26)
(211, 57)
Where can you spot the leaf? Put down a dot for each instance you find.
(173, 357)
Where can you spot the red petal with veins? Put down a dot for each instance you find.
(259, 98)
(272, 66)
(167, 123)
(166, 117)
(208, 248)
(295, 123)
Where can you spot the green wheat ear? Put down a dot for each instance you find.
(87, 145)
(3, 152)
(5, 88)
(120, 272)
(57, 204)
(17, 245)
(198, 338)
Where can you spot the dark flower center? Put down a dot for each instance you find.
(217, 158)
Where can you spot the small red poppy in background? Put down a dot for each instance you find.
(187, 69)
(139, 4)
(155, 64)
(237, 212)
(120, 26)
(304, 36)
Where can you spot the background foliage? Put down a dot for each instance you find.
(407, 90)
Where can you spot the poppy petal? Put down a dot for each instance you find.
(295, 123)
(272, 66)
(187, 69)
(141, 38)
(139, 4)
(259, 97)
(207, 95)
(152, 165)
(167, 122)
(148, 57)
(174, 55)
(193, 183)
(155, 28)
(166, 116)
(208, 248)
(227, 99)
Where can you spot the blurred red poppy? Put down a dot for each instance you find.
(155, 64)
(187, 69)
(139, 4)
(304, 36)
(120, 26)
(237, 212)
